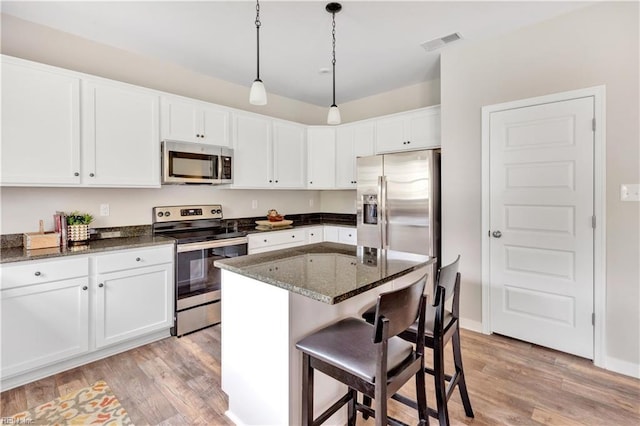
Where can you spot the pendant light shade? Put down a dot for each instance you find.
(334, 115)
(258, 94)
(334, 112)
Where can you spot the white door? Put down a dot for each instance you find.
(252, 152)
(541, 210)
(289, 155)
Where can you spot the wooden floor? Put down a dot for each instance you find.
(177, 382)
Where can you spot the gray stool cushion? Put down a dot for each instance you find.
(348, 344)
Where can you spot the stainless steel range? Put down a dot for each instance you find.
(202, 237)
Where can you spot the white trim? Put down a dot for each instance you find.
(599, 198)
(623, 367)
(469, 324)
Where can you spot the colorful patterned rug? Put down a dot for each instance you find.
(93, 405)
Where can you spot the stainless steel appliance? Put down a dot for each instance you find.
(398, 202)
(201, 239)
(196, 163)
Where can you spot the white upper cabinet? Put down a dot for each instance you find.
(252, 151)
(352, 141)
(321, 157)
(120, 135)
(194, 121)
(408, 131)
(289, 155)
(40, 125)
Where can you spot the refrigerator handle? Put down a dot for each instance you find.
(384, 227)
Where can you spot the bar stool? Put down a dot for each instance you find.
(441, 326)
(369, 359)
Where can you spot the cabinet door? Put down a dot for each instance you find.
(331, 234)
(133, 303)
(390, 134)
(352, 141)
(423, 128)
(40, 125)
(289, 155)
(321, 158)
(315, 235)
(180, 120)
(121, 142)
(42, 324)
(252, 154)
(347, 236)
(214, 125)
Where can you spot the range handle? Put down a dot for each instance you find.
(182, 248)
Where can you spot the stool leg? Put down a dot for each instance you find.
(381, 404)
(307, 391)
(440, 383)
(366, 400)
(421, 396)
(462, 385)
(351, 421)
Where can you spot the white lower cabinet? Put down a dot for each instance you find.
(64, 312)
(45, 321)
(136, 301)
(275, 240)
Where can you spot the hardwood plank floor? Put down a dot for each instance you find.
(177, 382)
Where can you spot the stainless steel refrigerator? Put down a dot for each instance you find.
(398, 202)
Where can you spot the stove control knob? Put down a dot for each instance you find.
(167, 214)
(219, 211)
(160, 214)
(213, 211)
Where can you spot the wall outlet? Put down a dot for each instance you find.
(630, 192)
(310, 202)
(254, 204)
(104, 209)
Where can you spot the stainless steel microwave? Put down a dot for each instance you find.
(196, 163)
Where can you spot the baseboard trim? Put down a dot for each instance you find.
(472, 325)
(234, 419)
(622, 367)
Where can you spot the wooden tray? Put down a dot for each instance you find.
(266, 223)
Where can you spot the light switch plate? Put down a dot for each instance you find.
(104, 209)
(630, 192)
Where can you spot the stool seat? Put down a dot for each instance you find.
(347, 344)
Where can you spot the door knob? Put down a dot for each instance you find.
(496, 234)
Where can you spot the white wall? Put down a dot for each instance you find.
(597, 45)
(23, 207)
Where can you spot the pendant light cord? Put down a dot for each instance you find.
(333, 61)
(258, 23)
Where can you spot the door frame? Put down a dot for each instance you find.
(599, 199)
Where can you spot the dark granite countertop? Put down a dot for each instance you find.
(18, 254)
(327, 272)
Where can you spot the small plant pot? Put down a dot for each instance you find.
(78, 234)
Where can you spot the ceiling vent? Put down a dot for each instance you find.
(437, 43)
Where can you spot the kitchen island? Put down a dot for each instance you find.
(272, 300)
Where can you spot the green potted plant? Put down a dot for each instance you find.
(78, 226)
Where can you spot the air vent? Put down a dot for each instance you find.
(437, 43)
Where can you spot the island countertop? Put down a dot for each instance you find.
(327, 272)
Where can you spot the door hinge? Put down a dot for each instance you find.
(593, 124)
(593, 318)
(593, 222)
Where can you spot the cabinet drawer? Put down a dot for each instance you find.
(315, 235)
(347, 236)
(275, 238)
(38, 272)
(134, 258)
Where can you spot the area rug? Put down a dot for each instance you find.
(93, 405)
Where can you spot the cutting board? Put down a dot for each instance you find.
(266, 223)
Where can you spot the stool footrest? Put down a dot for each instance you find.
(331, 410)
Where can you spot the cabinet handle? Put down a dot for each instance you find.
(76, 174)
(293, 236)
(408, 142)
(138, 259)
(311, 182)
(349, 234)
(91, 175)
(265, 241)
(100, 285)
(312, 234)
(276, 181)
(85, 288)
(37, 274)
(270, 181)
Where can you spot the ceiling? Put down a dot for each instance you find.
(378, 43)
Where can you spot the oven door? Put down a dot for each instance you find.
(197, 280)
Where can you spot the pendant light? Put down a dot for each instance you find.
(334, 112)
(258, 94)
